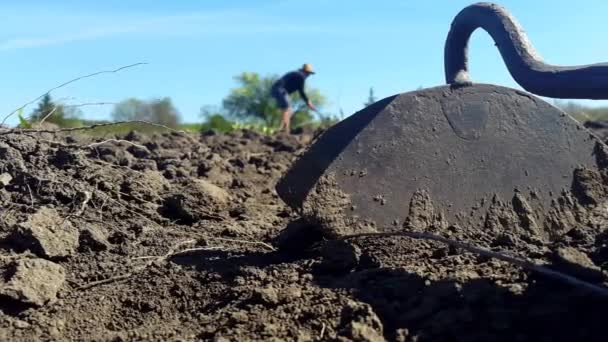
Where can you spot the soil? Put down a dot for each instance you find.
(175, 237)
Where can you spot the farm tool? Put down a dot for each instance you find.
(454, 153)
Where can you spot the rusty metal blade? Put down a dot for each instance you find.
(460, 147)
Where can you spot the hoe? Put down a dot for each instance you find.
(459, 149)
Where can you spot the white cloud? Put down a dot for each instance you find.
(201, 23)
(33, 42)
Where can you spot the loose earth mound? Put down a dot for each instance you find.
(183, 237)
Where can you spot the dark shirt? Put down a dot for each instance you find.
(293, 81)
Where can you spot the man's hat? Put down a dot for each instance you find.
(308, 68)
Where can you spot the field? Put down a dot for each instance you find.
(181, 237)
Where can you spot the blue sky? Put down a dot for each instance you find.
(194, 48)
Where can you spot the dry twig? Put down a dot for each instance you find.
(67, 83)
(322, 333)
(118, 141)
(29, 189)
(48, 115)
(73, 106)
(84, 128)
(258, 243)
(85, 201)
(137, 269)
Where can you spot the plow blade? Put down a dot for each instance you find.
(446, 153)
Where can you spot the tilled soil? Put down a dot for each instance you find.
(182, 237)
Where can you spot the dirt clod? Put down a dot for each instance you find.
(578, 264)
(93, 238)
(48, 235)
(267, 296)
(5, 179)
(587, 185)
(339, 256)
(187, 240)
(33, 281)
(422, 213)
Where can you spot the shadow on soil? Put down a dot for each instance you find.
(476, 310)
(409, 305)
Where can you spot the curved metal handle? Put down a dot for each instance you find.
(522, 61)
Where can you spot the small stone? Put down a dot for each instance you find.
(219, 176)
(363, 332)
(34, 282)
(94, 239)
(239, 316)
(291, 293)
(48, 235)
(402, 335)
(211, 190)
(505, 239)
(364, 324)
(5, 179)
(19, 324)
(268, 296)
(197, 200)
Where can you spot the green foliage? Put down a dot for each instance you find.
(23, 123)
(56, 113)
(215, 119)
(327, 121)
(258, 127)
(219, 123)
(159, 111)
(191, 127)
(370, 98)
(581, 112)
(251, 102)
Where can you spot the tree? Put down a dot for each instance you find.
(582, 112)
(57, 113)
(129, 109)
(215, 118)
(251, 101)
(370, 98)
(163, 112)
(160, 111)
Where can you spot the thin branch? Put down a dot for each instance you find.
(29, 189)
(257, 243)
(87, 198)
(183, 251)
(137, 269)
(199, 249)
(526, 264)
(49, 114)
(86, 104)
(70, 82)
(84, 128)
(322, 333)
(93, 145)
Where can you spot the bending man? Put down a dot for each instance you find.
(291, 82)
